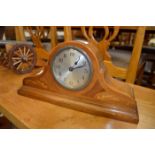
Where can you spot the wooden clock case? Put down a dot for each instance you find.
(103, 96)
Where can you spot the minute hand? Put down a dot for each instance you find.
(78, 67)
(72, 68)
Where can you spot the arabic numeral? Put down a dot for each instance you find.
(72, 54)
(83, 77)
(71, 83)
(60, 60)
(57, 66)
(60, 73)
(85, 70)
(65, 55)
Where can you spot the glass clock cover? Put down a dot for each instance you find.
(71, 68)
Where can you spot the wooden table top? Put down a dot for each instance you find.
(25, 112)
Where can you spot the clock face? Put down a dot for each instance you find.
(71, 68)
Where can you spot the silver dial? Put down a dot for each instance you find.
(71, 67)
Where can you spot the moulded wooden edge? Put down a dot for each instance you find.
(84, 105)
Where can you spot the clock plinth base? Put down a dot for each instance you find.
(88, 105)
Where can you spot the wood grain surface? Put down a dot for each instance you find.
(25, 112)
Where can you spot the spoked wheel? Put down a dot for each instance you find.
(22, 58)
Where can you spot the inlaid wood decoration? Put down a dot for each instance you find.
(76, 78)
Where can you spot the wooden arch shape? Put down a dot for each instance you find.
(104, 96)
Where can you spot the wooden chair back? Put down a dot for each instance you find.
(127, 74)
(36, 33)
